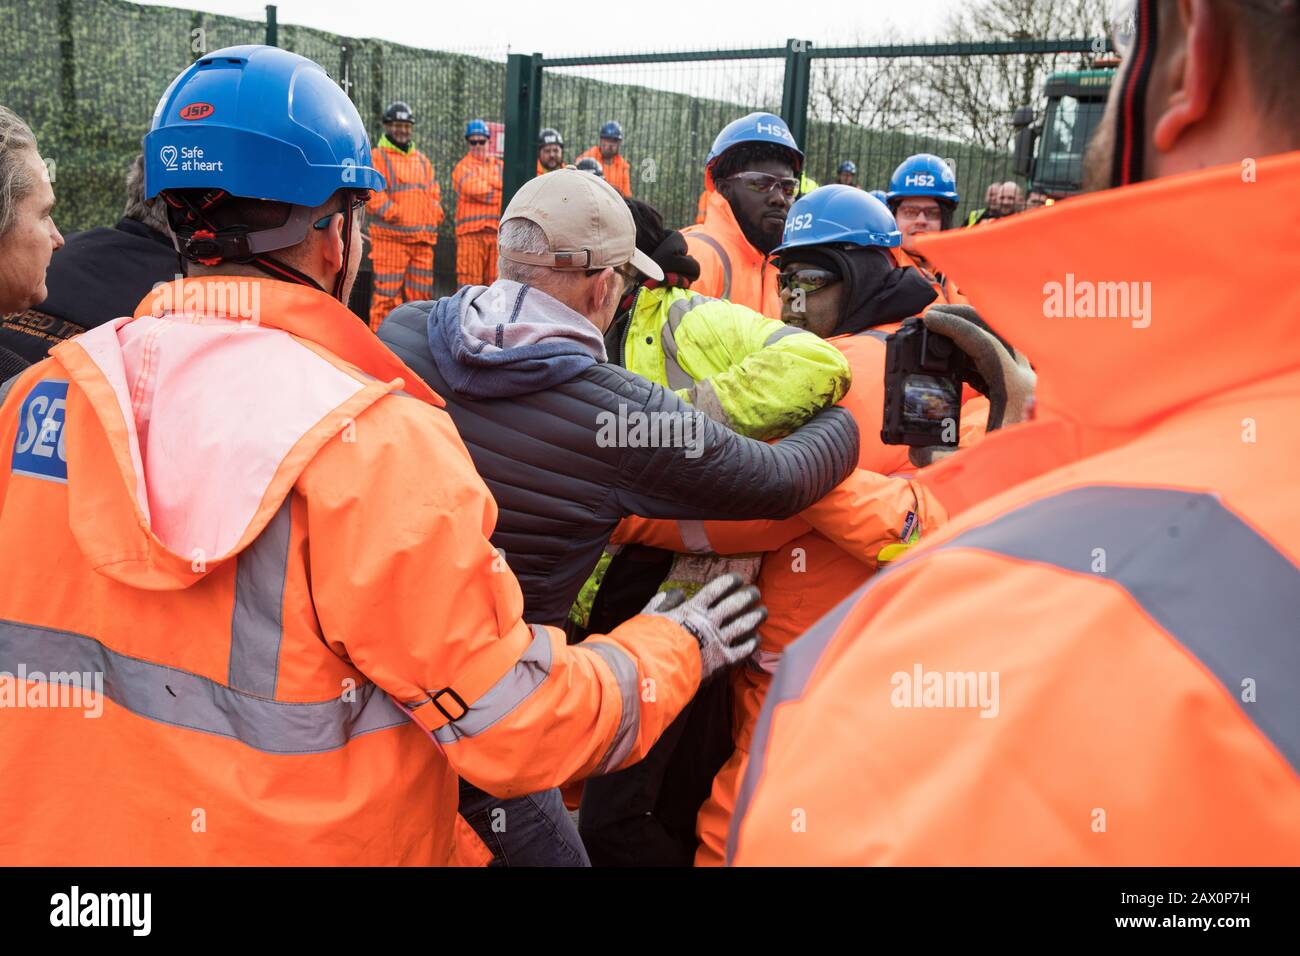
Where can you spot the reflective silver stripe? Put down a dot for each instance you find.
(694, 537)
(388, 204)
(677, 377)
(629, 722)
(257, 623)
(1196, 569)
(1217, 587)
(183, 699)
(403, 187)
(722, 254)
(782, 332)
(391, 180)
(461, 222)
(413, 270)
(389, 227)
(514, 687)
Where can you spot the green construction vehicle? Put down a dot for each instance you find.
(1049, 154)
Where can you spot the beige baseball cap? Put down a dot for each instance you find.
(586, 221)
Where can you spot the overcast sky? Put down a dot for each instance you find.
(556, 27)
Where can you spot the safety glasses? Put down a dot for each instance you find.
(766, 183)
(478, 142)
(910, 213)
(358, 211)
(805, 280)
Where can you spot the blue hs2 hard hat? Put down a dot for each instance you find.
(849, 166)
(923, 175)
(612, 130)
(755, 128)
(257, 122)
(879, 194)
(839, 214)
(477, 127)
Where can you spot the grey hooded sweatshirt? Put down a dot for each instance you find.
(569, 444)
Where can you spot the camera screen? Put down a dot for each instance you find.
(930, 401)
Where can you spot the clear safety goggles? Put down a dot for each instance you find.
(766, 182)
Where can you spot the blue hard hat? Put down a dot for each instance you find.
(755, 128)
(612, 130)
(879, 194)
(923, 175)
(839, 214)
(848, 166)
(476, 127)
(257, 122)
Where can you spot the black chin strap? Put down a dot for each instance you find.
(210, 246)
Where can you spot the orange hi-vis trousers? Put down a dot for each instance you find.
(476, 258)
(403, 272)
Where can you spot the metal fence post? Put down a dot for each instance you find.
(794, 94)
(523, 115)
(345, 67)
(272, 27)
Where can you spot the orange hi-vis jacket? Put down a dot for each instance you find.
(702, 205)
(816, 559)
(618, 171)
(730, 268)
(477, 182)
(942, 284)
(1118, 594)
(410, 209)
(269, 543)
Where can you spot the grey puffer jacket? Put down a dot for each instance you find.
(569, 444)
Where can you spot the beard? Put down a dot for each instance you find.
(761, 240)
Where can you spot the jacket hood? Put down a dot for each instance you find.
(508, 339)
(1200, 312)
(720, 220)
(195, 418)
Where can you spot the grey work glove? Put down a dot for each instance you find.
(1010, 378)
(724, 617)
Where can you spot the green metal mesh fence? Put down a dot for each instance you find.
(670, 112)
(87, 74)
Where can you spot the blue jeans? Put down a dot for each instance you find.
(534, 830)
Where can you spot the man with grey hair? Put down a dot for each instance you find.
(28, 236)
(570, 444)
(99, 275)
